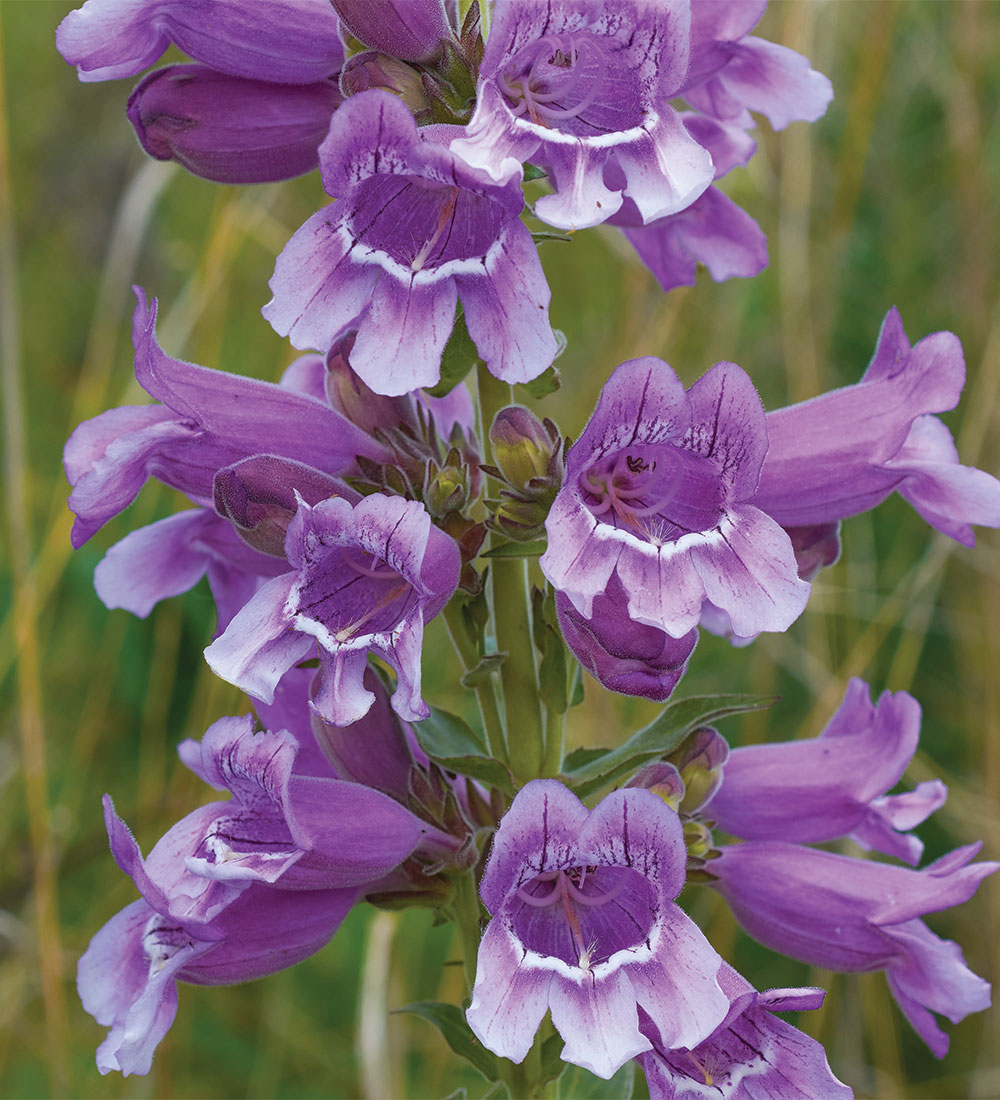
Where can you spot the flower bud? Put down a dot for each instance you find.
(348, 394)
(700, 760)
(446, 489)
(229, 129)
(523, 446)
(663, 779)
(379, 70)
(408, 29)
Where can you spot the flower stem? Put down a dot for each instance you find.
(485, 693)
(512, 622)
(465, 910)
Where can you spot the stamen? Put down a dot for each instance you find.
(445, 216)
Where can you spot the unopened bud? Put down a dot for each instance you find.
(522, 446)
(409, 29)
(446, 490)
(379, 70)
(663, 779)
(347, 393)
(697, 839)
(700, 760)
(230, 129)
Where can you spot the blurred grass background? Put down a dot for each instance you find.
(890, 199)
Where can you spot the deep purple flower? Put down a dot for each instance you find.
(859, 915)
(364, 578)
(230, 129)
(660, 489)
(833, 785)
(281, 41)
(713, 230)
(752, 1054)
(414, 231)
(845, 451)
(584, 89)
(584, 926)
(732, 72)
(412, 30)
(622, 654)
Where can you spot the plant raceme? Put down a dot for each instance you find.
(339, 510)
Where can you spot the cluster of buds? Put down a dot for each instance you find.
(529, 461)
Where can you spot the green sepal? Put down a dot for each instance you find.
(547, 382)
(453, 744)
(666, 732)
(512, 549)
(458, 358)
(534, 172)
(483, 670)
(541, 236)
(450, 1021)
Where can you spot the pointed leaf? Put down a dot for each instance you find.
(451, 742)
(664, 733)
(450, 1021)
(580, 1084)
(483, 670)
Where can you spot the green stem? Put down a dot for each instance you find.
(485, 694)
(465, 908)
(512, 622)
(555, 744)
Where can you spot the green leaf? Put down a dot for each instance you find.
(576, 688)
(664, 733)
(459, 357)
(540, 236)
(577, 1083)
(451, 742)
(450, 1021)
(533, 549)
(579, 757)
(483, 670)
(533, 172)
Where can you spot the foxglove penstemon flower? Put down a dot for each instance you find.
(364, 578)
(626, 656)
(584, 88)
(833, 785)
(751, 1054)
(713, 230)
(845, 451)
(280, 41)
(859, 915)
(732, 72)
(411, 30)
(584, 926)
(414, 231)
(660, 489)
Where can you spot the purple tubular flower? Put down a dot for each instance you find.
(625, 656)
(281, 41)
(209, 419)
(414, 231)
(230, 129)
(584, 89)
(127, 976)
(732, 71)
(833, 785)
(584, 926)
(846, 451)
(660, 488)
(859, 915)
(751, 1054)
(170, 556)
(411, 30)
(364, 578)
(713, 230)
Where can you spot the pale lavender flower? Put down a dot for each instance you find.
(661, 489)
(414, 231)
(845, 451)
(584, 89)
(584, 926)
(751, 1055)
(859, 915)
(833, 785)
(713, 230)
(732, 72)
(364, 578)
